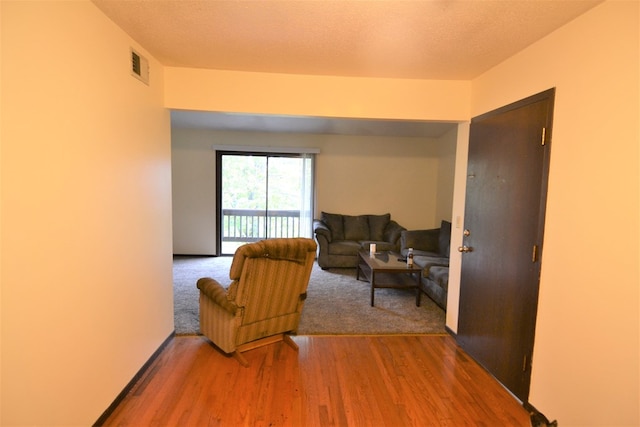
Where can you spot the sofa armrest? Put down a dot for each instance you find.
(392, 232)
(320, 228)
(420, 240)
(213, 290)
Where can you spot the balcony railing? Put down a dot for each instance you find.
(249, 225)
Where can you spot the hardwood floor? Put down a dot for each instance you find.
(404, 380)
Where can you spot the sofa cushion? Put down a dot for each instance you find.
(444, 239)
(335, 224)
(422, 253)
(356, 227)
(392, 233)
(377, 224)
(440, 275)
(344, 247)
(421, 240)
(427, 263)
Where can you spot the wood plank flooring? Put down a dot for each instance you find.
(403, 380)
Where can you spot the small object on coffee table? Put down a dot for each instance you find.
(386, 270)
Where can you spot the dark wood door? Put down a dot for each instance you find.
(504, 220)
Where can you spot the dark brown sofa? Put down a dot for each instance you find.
(431, 253)
(340, 237)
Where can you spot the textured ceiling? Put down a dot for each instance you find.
(432, 39)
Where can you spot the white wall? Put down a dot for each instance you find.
(411, 178)
(1, 227)
(586, 355)
(193, 178)
(86, 214)
(361, 175)
(446, 175)
(321, 96)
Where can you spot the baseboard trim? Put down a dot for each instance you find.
(450, 332)
(538, 418)
(196, 255)
(107, 413)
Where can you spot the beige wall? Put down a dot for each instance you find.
(1, 222)
(86, 214)
(446, 176)
(322, 96)
(586, 355)
(193, 181)
(411, 178)
(359, 175)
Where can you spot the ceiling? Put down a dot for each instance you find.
(430, 39)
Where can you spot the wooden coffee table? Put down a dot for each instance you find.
(385, 270)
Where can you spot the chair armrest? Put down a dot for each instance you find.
(320, 228)
(213, 290)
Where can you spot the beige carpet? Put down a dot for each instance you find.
(337, 304)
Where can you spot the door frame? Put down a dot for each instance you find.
(548, 95)
(266, 153)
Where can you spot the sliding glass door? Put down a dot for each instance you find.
(263, 195)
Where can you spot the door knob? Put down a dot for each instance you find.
(465, 248)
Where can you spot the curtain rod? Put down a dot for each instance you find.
(256, 149)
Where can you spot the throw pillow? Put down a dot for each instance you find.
(377, 224)
(335, 224)
(356, 227)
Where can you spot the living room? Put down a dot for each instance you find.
(409, 177)
(87, 216)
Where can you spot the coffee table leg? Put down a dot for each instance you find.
(419, 296)
(373, 278)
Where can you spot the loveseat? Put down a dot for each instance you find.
(431, 253)
(340, 237)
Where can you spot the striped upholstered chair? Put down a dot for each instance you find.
(265, 298)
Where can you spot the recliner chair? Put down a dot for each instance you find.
(265, 299)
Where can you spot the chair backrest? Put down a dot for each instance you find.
(270, 277)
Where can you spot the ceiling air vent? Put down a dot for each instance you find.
(139, 67)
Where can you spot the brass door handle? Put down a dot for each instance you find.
(465, 248)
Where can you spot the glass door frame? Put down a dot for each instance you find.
(308, 203)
